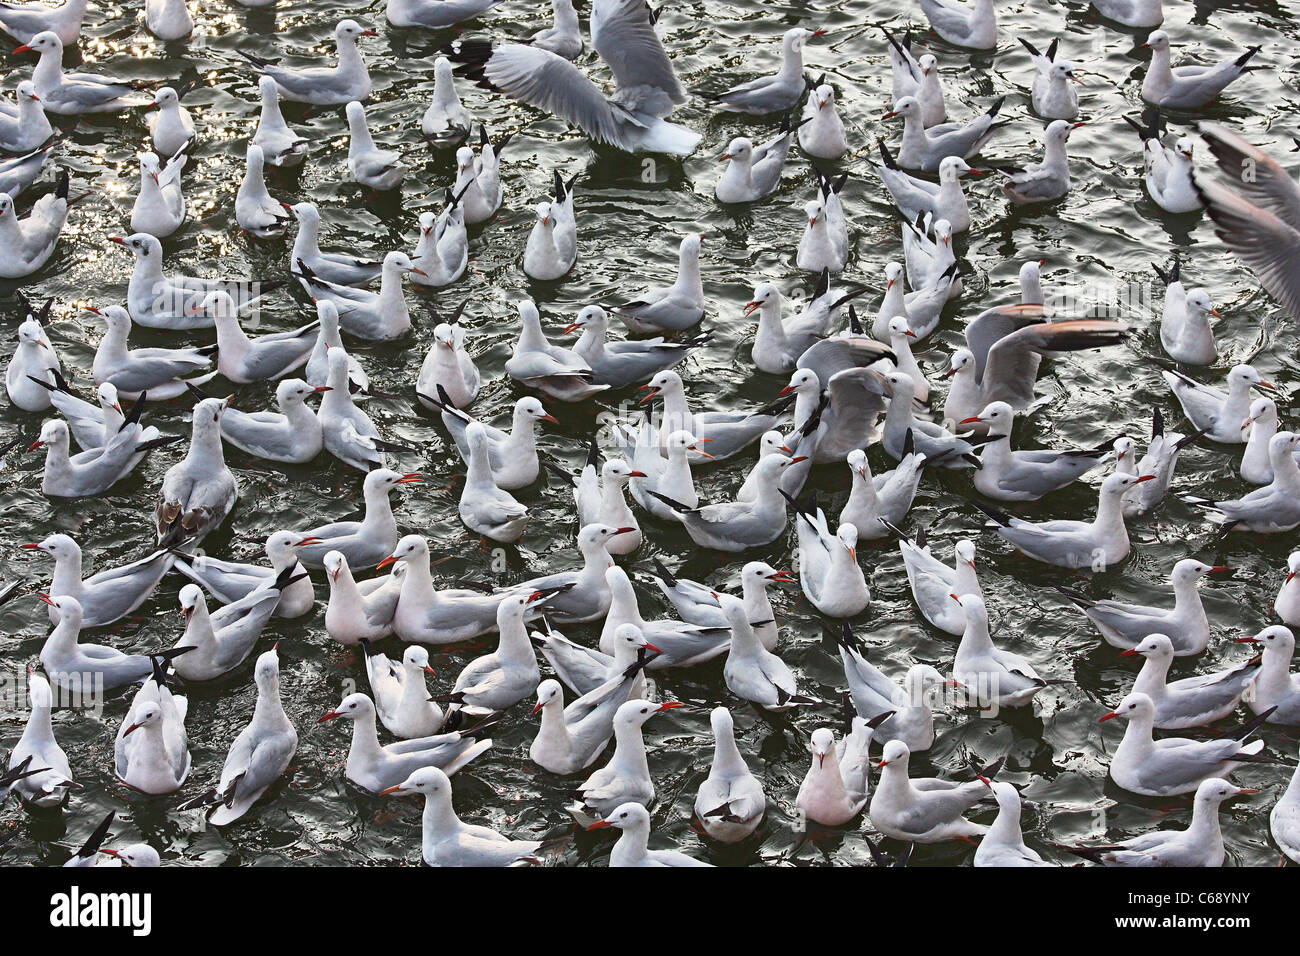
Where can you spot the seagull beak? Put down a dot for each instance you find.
(637, 474)
(22, 49)
(599, 825)
(973, 418)
(1107, 717)
(329, 716)
(785, 391)
(1128, 653)
(306, 541)
(536, 708)
(118, 239)
(650, 390)
(411, 478)
(698, 451)
(570, 328)
(783, 577)
(386, 562)
(429, 670)
(624, 530)
(396, 789)
(724, 157)
(550, 418)
(369, 33)
(1142, 478)
(50, 601)
(419, 272)
(883, 763)
(1216, 313)
(130, 730)
(1244, 791)
(751, 306)
(35, 445)
(670, 704)
(890, 115)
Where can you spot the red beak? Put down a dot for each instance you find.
(386, 562)
(330, 716)
(1108, 717)
(967, 421)
(599, 824)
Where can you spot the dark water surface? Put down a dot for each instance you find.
(1103, 235)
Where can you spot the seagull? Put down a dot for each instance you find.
(739, 525)
(1053, 95)
(478, 179)
(156, 371)
(699, 604)
(631, 849)
(170, 302)
(730, 802)
(349, 433)
(366, 542)
(1160, 460)
(1220, 414)
(377, 768)
(1008, 344)
(1258, 220)
(220, 642)
(49, 785)
(780, 345)
(903, 433)
(292, 435)
(509, 674)
(443, 246)
(771, 94)
(243, 359)
(446, 122)
(822, 134)
(448, 366)
(569, 739)
(583, 669)
(151, 753)
(377, 316)
(159, 208)
(400, 694)
(259, 755)
(1287, 604)
(896, 712)
(564, 38)
(1201, 844)
(552, 246)
(24, 126)
(108, 595)
(93, 472)
(448, 841)
(171, 128)
(1126, 625)
(1132, 13)
(1187, 87)
(587, 596)
(198, 492)
(753, 673)
(1273, 692)
(1185, 330)
(256, 212)
(380, 169)
(73, 94)
(1046, 181)
(675, 643)
(972, 25)
(993, 678)
(916, 77)
(485, 508)
(1263, 424)
(726, 433)
(825, 242)
(1097, 545)
(92, 426)
(626, 778)
(22, 21)
(933, 583)
(925, 809)
(512, 454)
(1192, 701)
(76, 666)
(20, 172)
(829, 573)
(876, 501)
(646, 88)
(357, 613)
(1008, 475)
(280, 145)
(334, 85)
(670, 477)
(434, 14)
(33, 373)
(619, 364)
(168, 19)
(915, 197)
(229, 581)
(753, 172)
(673, 308)
(333, 267)
(32, 239)
(834, 790)
(925, 149)
(427, 616)
(1284, 820)
(1271, 509)
(1004, 843)
(1167, 171)
(557, 372)
(599, 498)
(1173, 765)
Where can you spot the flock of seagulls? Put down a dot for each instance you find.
(846, 392)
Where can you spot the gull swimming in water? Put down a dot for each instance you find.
(925, 809)
(631, 849)
(730, 802)
(1187, 87)
(334, 85)
(771, 94)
